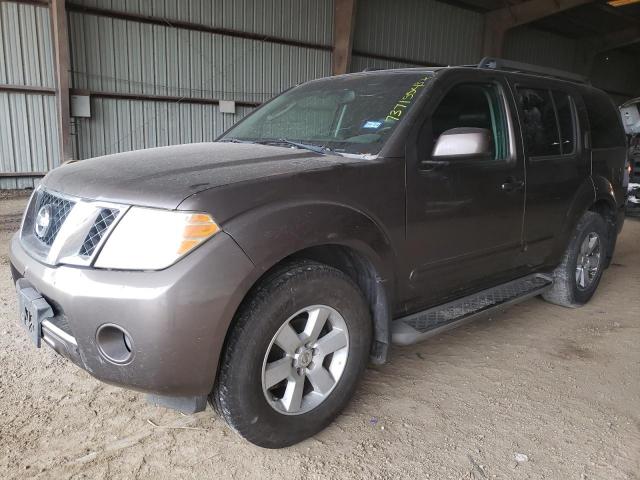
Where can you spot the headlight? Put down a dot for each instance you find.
(151, 239)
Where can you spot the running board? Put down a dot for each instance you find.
(422, 325)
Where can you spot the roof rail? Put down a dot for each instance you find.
(511, 66)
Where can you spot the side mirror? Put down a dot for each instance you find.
(463, 142)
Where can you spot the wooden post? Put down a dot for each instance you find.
(493, 39)
(62, 68)
(343, 26)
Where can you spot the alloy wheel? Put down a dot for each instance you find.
(588, 262)
(305, 360)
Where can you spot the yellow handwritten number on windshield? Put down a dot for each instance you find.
(399, 108)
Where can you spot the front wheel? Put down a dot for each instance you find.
(575, 280)
(295, 355)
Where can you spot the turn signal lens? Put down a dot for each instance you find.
(199, 227)
(187, 245)
(201, 230)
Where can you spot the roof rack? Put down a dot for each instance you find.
(511, 66)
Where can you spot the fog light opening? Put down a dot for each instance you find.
(115, 344)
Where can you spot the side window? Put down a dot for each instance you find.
(604, 121)
(566, 121)
(473, 105)
(539, 127)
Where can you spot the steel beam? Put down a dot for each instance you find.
(62, 68)
(498, 22)
(344, 20)
(618, 39)
(163, 98)
(27, 89)
(591, 47)
(22, 174)
(196, 27)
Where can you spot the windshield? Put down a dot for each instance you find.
(350, 114)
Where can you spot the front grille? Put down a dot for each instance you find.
(59, 228)
(100, 226)
(60, 208)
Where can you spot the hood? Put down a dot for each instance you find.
(163, 177)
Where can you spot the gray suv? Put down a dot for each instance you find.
(264, 271)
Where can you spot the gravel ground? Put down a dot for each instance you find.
(557, 385)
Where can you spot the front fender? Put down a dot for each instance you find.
(272, 232)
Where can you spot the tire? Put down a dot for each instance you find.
(567, 290)
(241, 395)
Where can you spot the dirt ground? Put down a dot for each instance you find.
(559, 386)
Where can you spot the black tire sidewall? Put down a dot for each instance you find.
(239, 391)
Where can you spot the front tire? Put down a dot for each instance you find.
(295, 355)
(576, 279)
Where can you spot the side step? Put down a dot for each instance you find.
(422, 325)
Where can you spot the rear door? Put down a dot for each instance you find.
(464, 216)
(556, 167)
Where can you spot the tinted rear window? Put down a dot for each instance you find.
(604, 121)
(539, 125)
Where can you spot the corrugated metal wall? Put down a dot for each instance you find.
(408, 33)
(430, 32)
(28, 129)
(124, 56)
(313, 18)
(118, 125)
(112, 56)
(360, 62)
(424, 31)
(529, 45)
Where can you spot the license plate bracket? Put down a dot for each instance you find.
(34, 309)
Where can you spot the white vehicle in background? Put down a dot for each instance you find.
(630, 112)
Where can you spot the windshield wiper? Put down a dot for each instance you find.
(234, 140)
(305, 146)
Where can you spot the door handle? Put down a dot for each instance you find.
(433, 164)
(512, 185)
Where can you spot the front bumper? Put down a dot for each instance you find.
(177, 318)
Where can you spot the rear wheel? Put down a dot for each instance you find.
(294, 356)
(577, 277)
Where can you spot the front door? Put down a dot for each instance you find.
(464, 214)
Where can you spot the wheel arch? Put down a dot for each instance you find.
(596, 195)
(330, 233)
(606, 204)
(364, 273)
